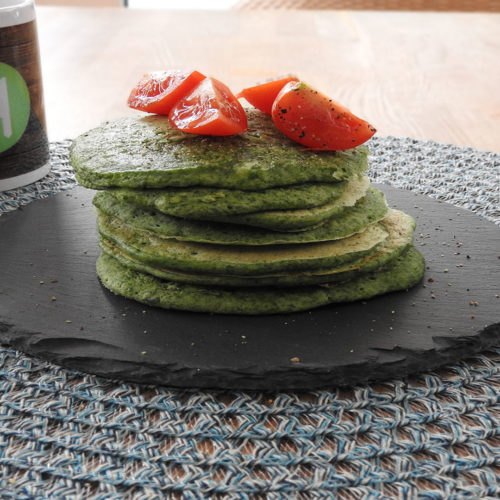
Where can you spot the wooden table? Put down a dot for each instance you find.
(423, 75)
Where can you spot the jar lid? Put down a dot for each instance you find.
(14, 12)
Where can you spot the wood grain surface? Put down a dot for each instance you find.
(424, 75)
(432, 5)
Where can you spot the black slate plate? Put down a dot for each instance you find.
(53, 306)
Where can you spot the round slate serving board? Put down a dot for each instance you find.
(53, 306)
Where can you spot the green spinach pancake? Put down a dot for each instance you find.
(276, 220)
(303, 219)
(146, 247)
(406, 271)
(204, 202)
(399, 226)
(148, 152)
(245, 224)
(353, 220)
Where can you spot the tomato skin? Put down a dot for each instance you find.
(262, 96)
(210, 109)
(312, 119)
(158, 91)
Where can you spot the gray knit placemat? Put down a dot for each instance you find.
(68, 435)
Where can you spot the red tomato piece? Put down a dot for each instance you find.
(210, 109)
(314, 120)
(157, 92)
(262, 96)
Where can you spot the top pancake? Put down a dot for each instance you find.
(148, 152)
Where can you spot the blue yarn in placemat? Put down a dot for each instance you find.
(68, 435)
(463, 177)
(60, 178)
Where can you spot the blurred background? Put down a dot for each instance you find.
(436, 5)
(427, 69)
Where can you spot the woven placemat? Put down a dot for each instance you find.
(69, 435)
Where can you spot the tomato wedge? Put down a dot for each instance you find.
(157, 92)
(262, 96)
(209, 109)
(314, 120)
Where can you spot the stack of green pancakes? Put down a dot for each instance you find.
(245, 224)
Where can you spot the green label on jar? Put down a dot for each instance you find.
(14, 106)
